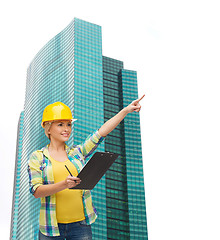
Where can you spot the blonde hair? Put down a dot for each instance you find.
(47, 126)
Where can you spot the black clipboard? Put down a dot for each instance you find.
(94, 169)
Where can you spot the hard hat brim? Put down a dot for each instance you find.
(72, 120)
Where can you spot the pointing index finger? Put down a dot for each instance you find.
(138, 100)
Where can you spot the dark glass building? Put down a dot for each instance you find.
(70, 68)
(125, 197)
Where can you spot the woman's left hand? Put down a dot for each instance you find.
(134, 106)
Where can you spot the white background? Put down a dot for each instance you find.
(175, 48)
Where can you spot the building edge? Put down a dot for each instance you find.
(19, 135)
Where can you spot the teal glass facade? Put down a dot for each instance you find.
(50, 78)
(17, 180)
(134, 164)
(70, 68)
(88, 103)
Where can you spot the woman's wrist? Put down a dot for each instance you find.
(63, 185)
(125, 110)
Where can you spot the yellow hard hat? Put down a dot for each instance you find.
(57, 111)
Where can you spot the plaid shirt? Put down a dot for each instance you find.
(41, 173)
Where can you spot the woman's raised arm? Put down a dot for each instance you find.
(112, 123)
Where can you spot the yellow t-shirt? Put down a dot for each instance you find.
(69, 204)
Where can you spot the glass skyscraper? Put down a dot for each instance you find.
(70, 68)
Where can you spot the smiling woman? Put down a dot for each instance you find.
(62, 208)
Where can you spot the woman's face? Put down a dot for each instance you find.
(60, 130)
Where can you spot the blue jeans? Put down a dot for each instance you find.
(71, 231)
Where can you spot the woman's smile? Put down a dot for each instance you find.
(65, 134)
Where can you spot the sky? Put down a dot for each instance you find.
(174, 47)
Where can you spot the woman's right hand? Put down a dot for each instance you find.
(72, 181)
(50, 189)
